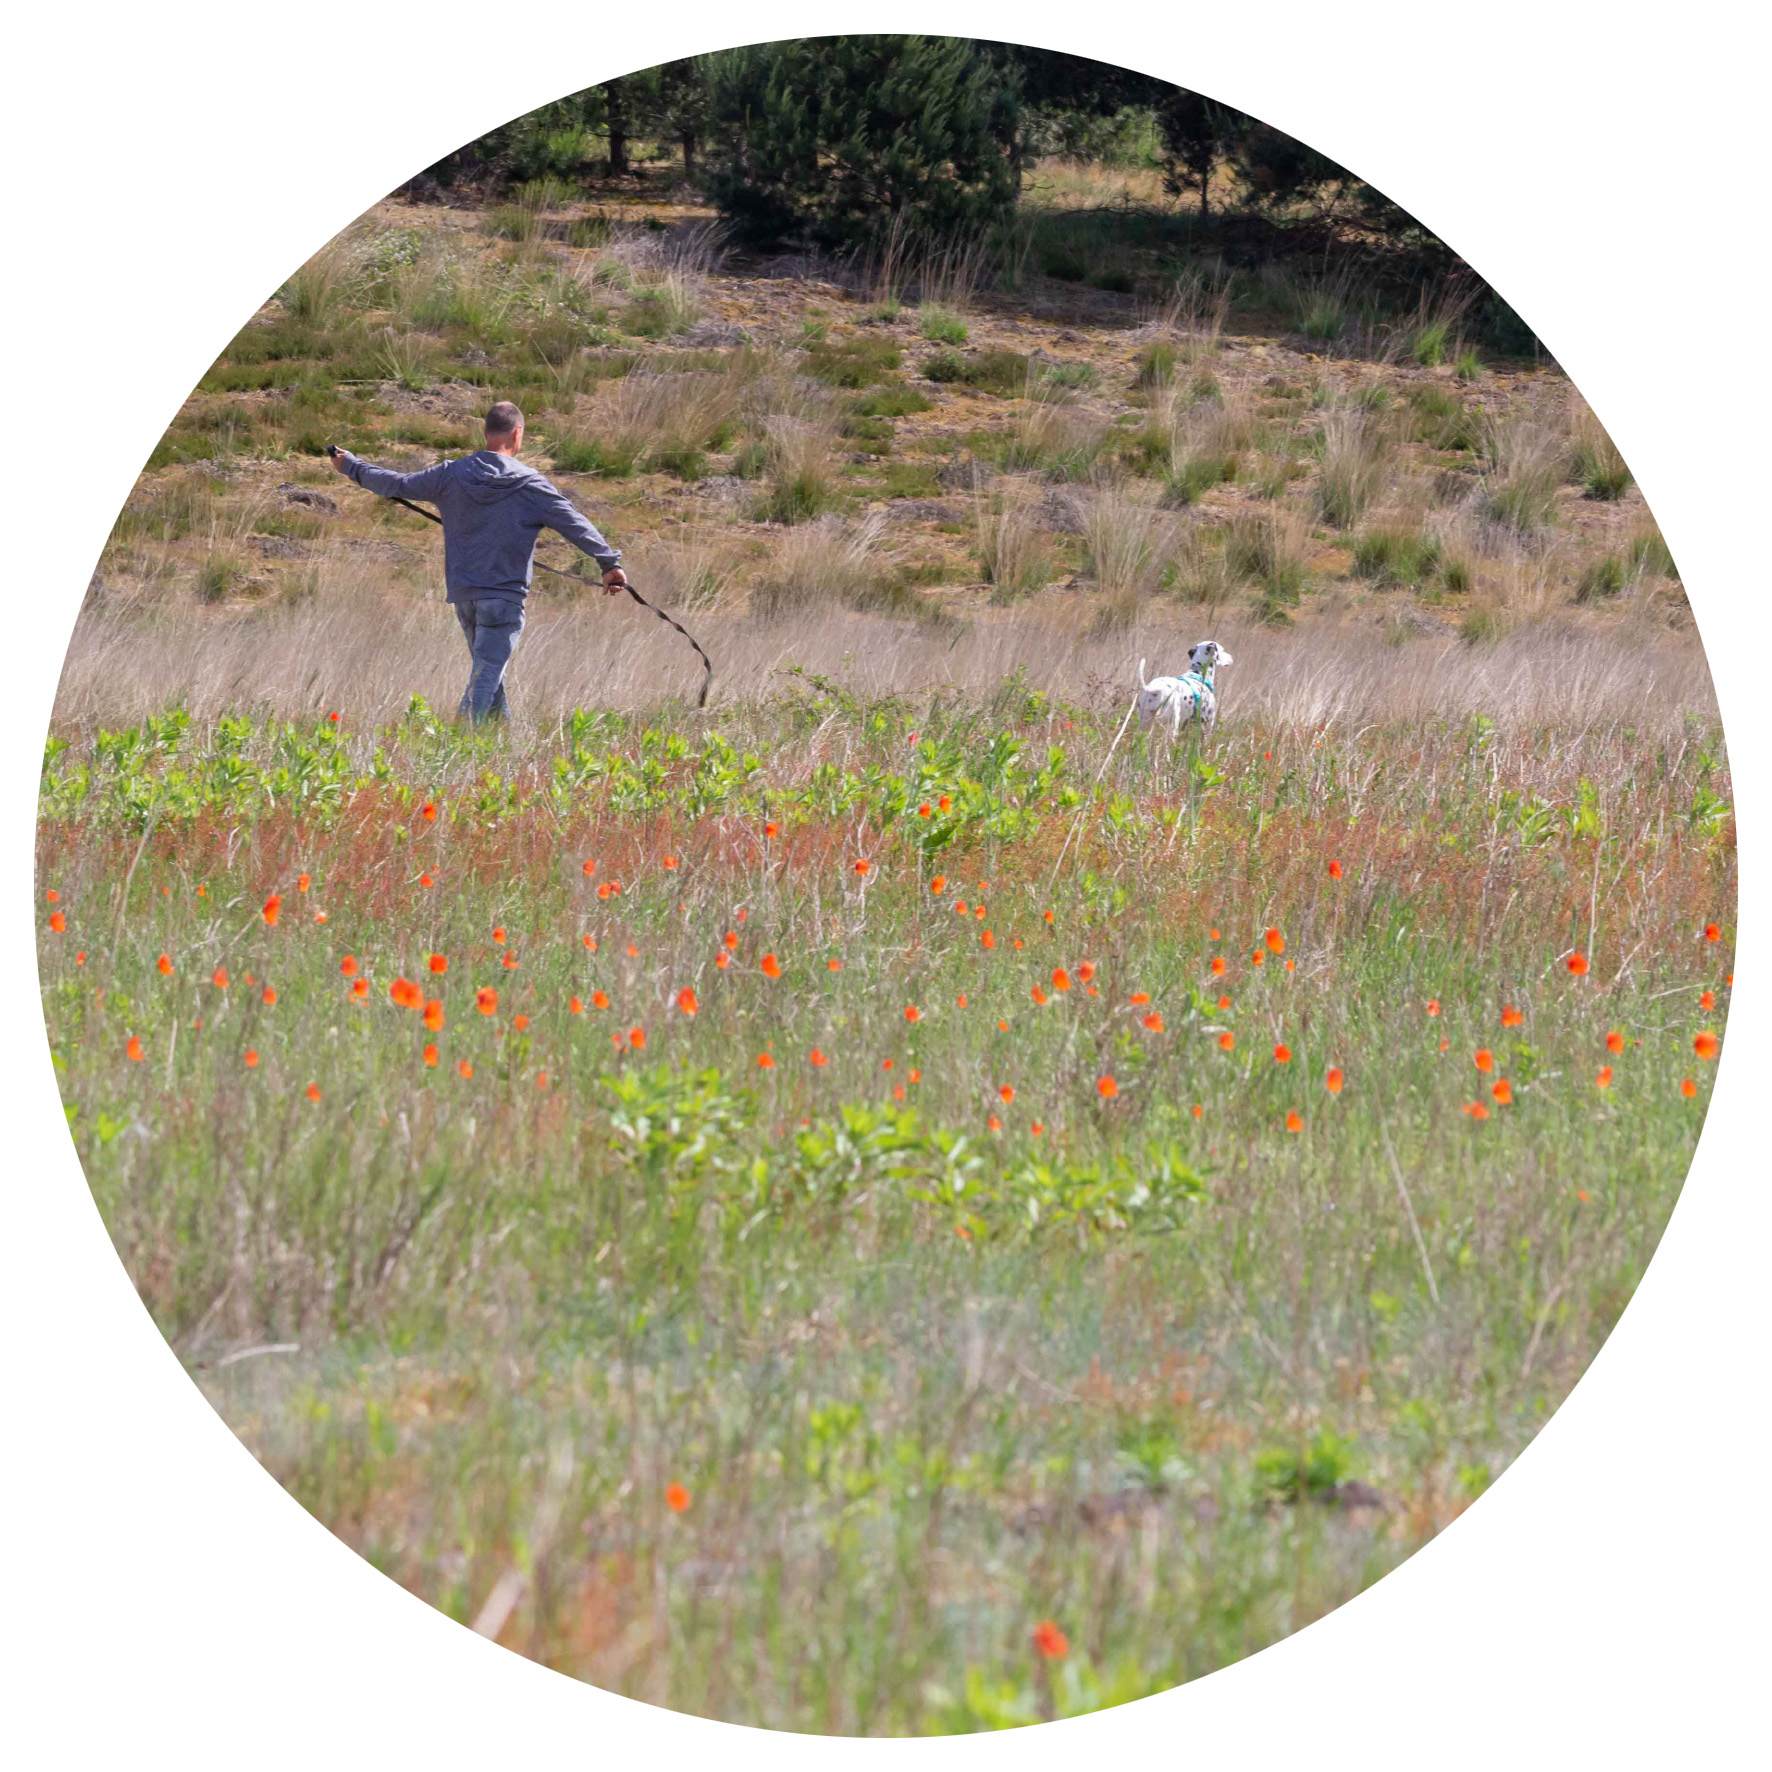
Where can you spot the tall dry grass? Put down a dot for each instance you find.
(356, 646)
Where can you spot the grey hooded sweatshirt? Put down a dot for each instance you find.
(493, 507)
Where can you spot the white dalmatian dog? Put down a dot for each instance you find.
(1181, 699)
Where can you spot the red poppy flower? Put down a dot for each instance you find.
(637, 1038)
(589, 867)
(925, 810)
(944, 803)
(686, 1001)
(1276, 942)
(1706, 1045)
(312, 1092)
(302, 882)
(939, 883)
(1334, 1080)
(670, 861)
(1433, 1005)
(1051, 1643)
(439, 964)
(134, 1048)
(1224, 1002)
(52, 896)
(993, 1124)
(1604, 1079)
(430, 1054)
(1061, 980)
(219, 978)
(1503, 1091)
(912, 1013)
(1153, 1023)
(498, 935)
(1707, 999)
(1007, 1092)
(1510, 1016)
(1138, 999)
(348, 965)
(1226, 1041)
(1294, 1123)
(434, 1016)
(1688, 1088)
(819, 1058)
(771, 966)
(465, 1068)
(676, 1498)
(960, 908)
(1258, 958)
(428, 812)
(273, 908)
(520, 1023)
(765, 1062)
(486, 1000)
(1485, 1059)
(1037, 1128)
(360, 989)
(1577, 964)
(898, 1092)
(772, 829)
(1615, 1042)
(1218, 965)
(599, 999)
(57, 922)
(1039, 995)
(1049, 917)
(862, 867)
(1282, 1054)
(1106, 1088)
(1335, 870)
(1712, 932)
(250, 1059)
(269, 999)
(164, 965)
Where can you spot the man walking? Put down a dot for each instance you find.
(493, 508)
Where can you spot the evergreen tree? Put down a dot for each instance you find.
(836, 139)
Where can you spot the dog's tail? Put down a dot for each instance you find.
(1141, 682)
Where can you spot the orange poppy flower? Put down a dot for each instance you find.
(1433, 1005)
(1604, 1079)
(898, 1092)
(1049, 917)
(1153, 1023)
(1291, 965)
(686, 1001)
(1212, 935)
(520, 1023)
(1106, 1088)
(599, 999)
(1615, 1042)
(302, 882)
(312, 1092)
(912, 1013)
(53, 896)
(1276, 942)
(833, 965)
(57, 922)
(1294, 1123)
(960, 1001)
(269, 999)
(439, 964)
(637, 1038)
(1050, 1641)
(676, 1498)
(1578, 965)
(603, 890)
(944, 803)
(772, 829)
(1226, 1041)
(464, 1068)
(1712, 932)
(576, 1006)
(916, 1075)
(939, 883)
(1485, 1059)
(273, 908)
(925, 810)
(819, 1058)
(771, 966)
(1707, 1000)
(428, 812)
(430, 1055)
(1334, 1080)
(960, 907)
(1224, 1002)
(1258, 958)
(993, 1124)
(1008, 1093)
(670, 861)
(731, 938)
(1037, 1128)
(1218, 965)
(1039, 995)
(987, 941)
(765, 1062)
(434, 1017)
(863, 867)
(486, 1000)
(1282, 1054)
(426, 880)
(590, 867)
(1335, 870)
(1477, 1111)
(360, 989)
(1688, 1088)
(1510, 1016)
(1706, 1045)
(1138, 999)
(1061, 980)
(498, 935)
(164, 965)
(886, 1064)
(134, 1048)
(1502, 1090)
(510, 962)
(250, 1059)
(348, 965)
(219, 978)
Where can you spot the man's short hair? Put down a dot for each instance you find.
(503, 419)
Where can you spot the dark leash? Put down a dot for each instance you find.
(701, 701)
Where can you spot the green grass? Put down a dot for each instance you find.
(942, 325)
(924, 1381)
(854, 363)
(992, 372)
(1398, 557)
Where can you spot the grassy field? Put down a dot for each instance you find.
(886, 1213)
(887, 1206)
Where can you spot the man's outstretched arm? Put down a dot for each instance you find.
(385, 483)
(565, 518)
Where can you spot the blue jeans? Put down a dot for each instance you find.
(491, 624)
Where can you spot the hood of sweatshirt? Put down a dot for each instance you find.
(486, 476)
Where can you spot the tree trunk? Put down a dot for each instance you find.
(618, 129)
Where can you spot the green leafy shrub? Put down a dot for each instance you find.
(853, 363)
(942, 325)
